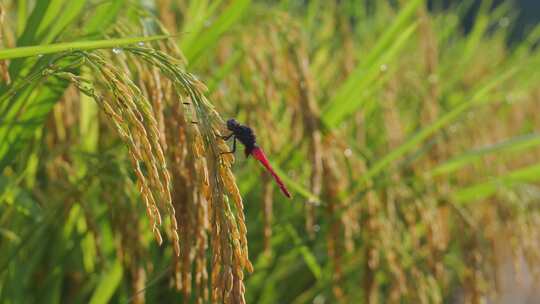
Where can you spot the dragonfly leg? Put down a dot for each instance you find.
(233, 146)
(226, 137)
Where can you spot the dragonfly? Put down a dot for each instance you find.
(246, 136)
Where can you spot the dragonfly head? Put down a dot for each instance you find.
(232, 124)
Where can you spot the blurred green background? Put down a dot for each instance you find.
(407, 131)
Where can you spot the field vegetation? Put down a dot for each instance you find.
(411, 146)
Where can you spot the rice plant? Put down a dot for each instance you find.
(408, 140)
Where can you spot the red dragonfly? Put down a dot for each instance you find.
(246, 136)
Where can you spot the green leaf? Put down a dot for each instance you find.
(108, 284)
(22, 16)
(72, 46)
(104, 16)
(69, 13)
(349, 97)
(346, 100)
(483, 190)
(23, 115)
(89, 114)
(308, 257)
(195, 47)
(513, 145)
(37, 20)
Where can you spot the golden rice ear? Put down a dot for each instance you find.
(179, 168)
(211, 183)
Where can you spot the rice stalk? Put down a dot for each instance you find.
(4, 72)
